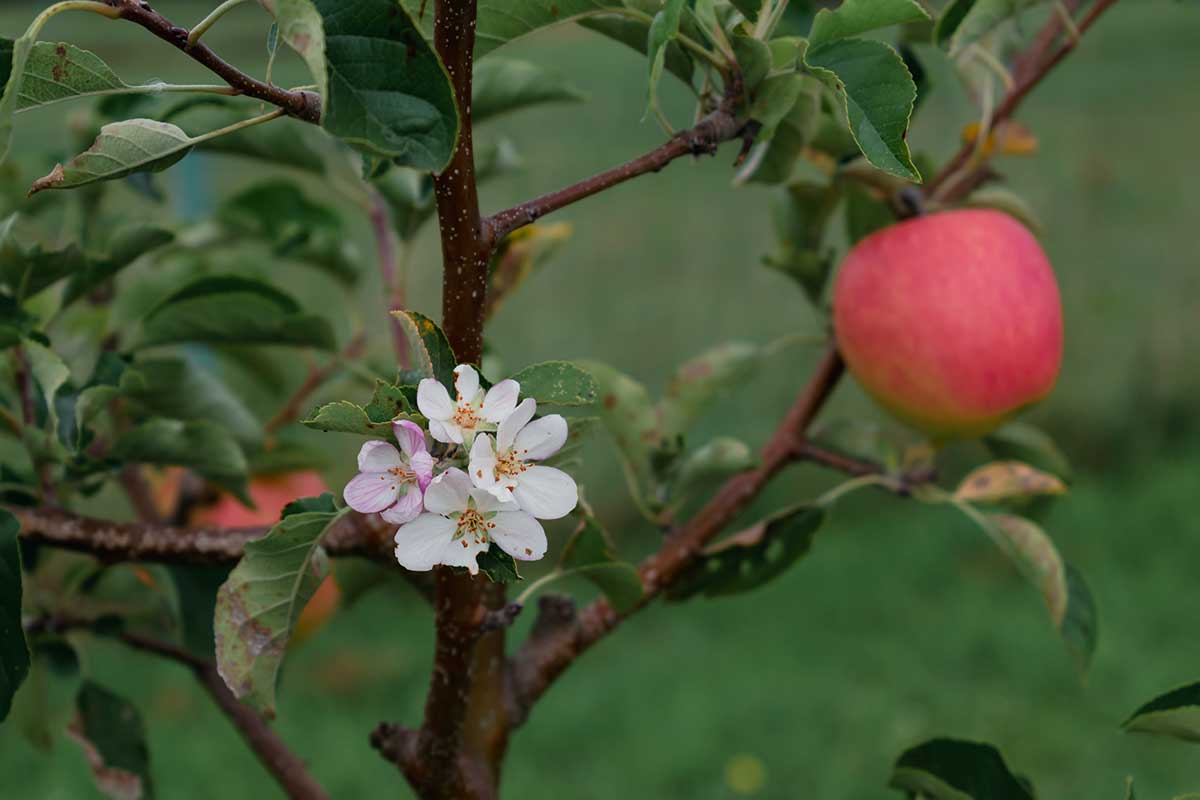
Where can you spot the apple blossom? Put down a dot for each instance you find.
(460, 522)
(392, 481)
(471, 411)
(503, 466)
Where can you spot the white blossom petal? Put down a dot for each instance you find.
(434, 401)
(377, 456)
(519, 535)
(446, 432)
(511, 425)
(541, 438)
(487, 500)
(463, 552)
(410, 436)
(466, 382)
(448, 492)
(406, 509)
(369, 492)
(500, 400)
(483, 461)
(546, 492)
(420, 544)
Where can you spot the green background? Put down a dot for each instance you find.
(904, 623)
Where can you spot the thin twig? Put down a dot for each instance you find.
(288, 769)
(387, 248)
(317, 377)
(302, 105)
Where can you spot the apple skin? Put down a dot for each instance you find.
(270, 494)
(952, 321)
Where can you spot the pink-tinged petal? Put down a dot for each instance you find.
(377, 456)
(500, 400)
(546, 492)
(448, 492)
(541, 438)
(371, 491)
(495, 499)
(463, 552)
(420, 543)
(445, 432)
(466, 382)
(510, 426)
(433, 400)
(482, 466)
(519, 535)
(410, 436)
(422, 464)
(406, 509)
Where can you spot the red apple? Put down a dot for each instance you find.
(270, 494)
(951, 321)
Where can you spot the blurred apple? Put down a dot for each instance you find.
(951, 321)
(270, 494)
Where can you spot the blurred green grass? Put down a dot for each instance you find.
(903, 624)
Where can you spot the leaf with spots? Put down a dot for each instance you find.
(299, 24)
(751, 558)
(388, 93)
(558, 383)
(432, 355)
(1006, 480)
(1020, 441)
(257, 607)
(121, 149)
(113, 737)
(704, 379)
(953, 769)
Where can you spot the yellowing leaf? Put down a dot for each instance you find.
(1006, 480)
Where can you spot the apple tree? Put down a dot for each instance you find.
(944, 309)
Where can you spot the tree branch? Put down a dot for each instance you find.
(562, 637)
(316, 378)
(386, 249)
(703, 138)
(302, 105)
(288, 769)
(963, 172)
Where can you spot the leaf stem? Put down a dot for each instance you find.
(237, 126)
(203, 25)
(549, 577)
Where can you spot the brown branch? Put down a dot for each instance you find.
(961, 174)
(560, 639)
(294, 407)
(302, 105)
(354, 535)
(703, 138)
(288, 769)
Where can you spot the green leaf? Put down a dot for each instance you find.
(635, 33)
(1067, 596)
(388, 402)
(432, 355)
(113, 737)
(700, 381)
(502, 85)
(499, 566)
(180, 389)
(121, 149)
(774, 100)
(801, 212)
(557, 383)
(773, 160)
(754, 59)
(14, 650)
(233, 310)
(60, 71)
(27, 271)
(589, 554)
(965, 22)
(299, 24)
(953, 769)
(501, 21)
(50, 372)
(202, 445)
(388, 92)
(196, 588)
(257, 607)
(1019, 441)
(127, 246)
(877, 92)
(1175, 714)
(14, 55)
(708, 465)
(664, 29)
(854, 17)
(631, 419)
(751, 558)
